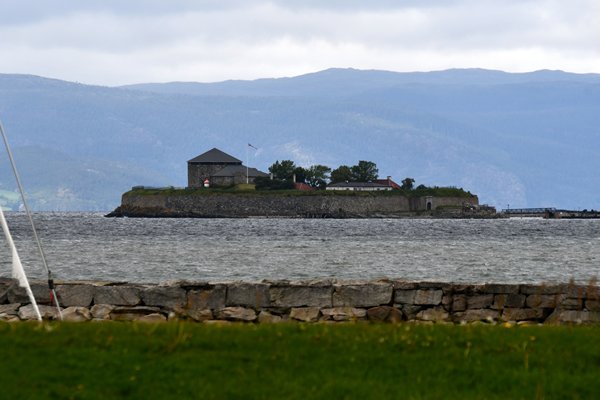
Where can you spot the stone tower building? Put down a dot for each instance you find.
(220, 169)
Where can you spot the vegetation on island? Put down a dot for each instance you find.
(284, 191)
(297, 361)
(285, 174)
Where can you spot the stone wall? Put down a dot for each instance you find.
(197, 173)
(273, 205)
(308, 301)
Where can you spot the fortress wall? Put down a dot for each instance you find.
(309, 301)
(246, 205)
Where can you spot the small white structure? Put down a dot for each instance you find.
(358, 186)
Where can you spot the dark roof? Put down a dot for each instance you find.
(239, 170)
(214, 156)
(356, 184)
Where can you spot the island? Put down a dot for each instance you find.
(220, 186)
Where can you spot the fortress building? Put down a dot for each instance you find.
(220, 169)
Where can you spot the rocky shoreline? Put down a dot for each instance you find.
(315, 301)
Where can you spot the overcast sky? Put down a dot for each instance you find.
(130, 41)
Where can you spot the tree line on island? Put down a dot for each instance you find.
(285, 174)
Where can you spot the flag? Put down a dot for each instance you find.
(249, 145)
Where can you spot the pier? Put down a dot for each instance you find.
(550, 212)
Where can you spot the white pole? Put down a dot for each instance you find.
(35, 235)
(247, 180)
(17, 268)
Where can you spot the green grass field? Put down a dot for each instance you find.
(362, 361)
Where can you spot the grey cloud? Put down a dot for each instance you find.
(117, 41)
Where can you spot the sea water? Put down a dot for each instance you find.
(89, 246)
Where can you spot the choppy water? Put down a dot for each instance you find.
(89, 246)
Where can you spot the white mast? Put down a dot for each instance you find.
(35, 235)
(17, 268)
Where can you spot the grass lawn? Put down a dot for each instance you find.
(363, 361)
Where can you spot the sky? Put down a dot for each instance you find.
(117, 42)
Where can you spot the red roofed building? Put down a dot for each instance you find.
(303, 186)
(388, 182)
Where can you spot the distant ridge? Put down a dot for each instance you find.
(350, 80)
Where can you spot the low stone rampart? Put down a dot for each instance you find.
(308, 301)
(235, 205)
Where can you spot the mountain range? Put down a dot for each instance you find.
(515, 139)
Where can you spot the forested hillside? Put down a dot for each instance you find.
(519, 139)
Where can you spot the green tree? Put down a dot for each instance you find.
(266, 183)
(317, 176)
(365, 171)
(283, 170)
(407, 183)
(301, 174)
(342, 174)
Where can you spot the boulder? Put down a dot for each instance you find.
(512, 300)
(459, 302)
(573, 291)
(457, 288)
(435, 314)
(200, 314)
(5, 284)
(237, 314)
(18, 294)
(153, 318)
(10, 309)
(363, 295)
(305, 314)
(76, 314)
(447, 301)
(405, 285)
(168, 297)
(132, 313)
(402, 296)
(102, 311)
(47, 312)
(522, 314)
(80, 295)
(497, 288)
(573, 317)
(265, 317)
(212, 298)
(435, 285)
(254, 295)
(384, 314)
(300, 296)
(571, 304)
(544, 300)
(480, 301)
(593, 292)
(476, 315)
(126, 295)
(430, 297)
(410, 311)
(592, 305)
(343, 313)
(541, 289)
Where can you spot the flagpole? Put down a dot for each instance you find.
(247, 161)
